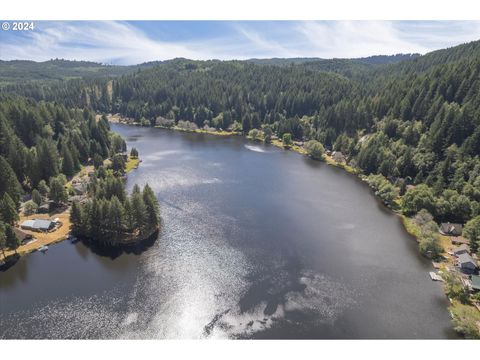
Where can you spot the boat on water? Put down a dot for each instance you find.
(43, 249)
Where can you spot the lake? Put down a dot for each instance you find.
(256, 242)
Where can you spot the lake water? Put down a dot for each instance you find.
(257, 242)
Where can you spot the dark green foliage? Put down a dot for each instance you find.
(8, 210)
(418, 198)
(315, 149)
(58, 193)
(413, 119)
(11, 238)
(8, 181)
(118, 164)
(472, 233)
(287, 140)
(41, 140)
(97, 161)
(30, 207)
(151, 205)
(37, 197)
(77, 219)
(68, 166)
(43, 188)
(110, 215)
(134, 153)
(383, 188)
(3, 238)
(139, 210)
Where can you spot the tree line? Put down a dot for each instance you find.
(415, 122)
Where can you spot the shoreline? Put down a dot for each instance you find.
(410, 228)
(59, 234)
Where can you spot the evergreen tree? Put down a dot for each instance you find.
(115, 216)
(8, 181)
(11, 238)
(68, 165)
(472, 233)
(139, 210)
(134, 153)
(77, 220)
(8, 210)
(58, 193)
(30, 207)
(287, 140)
(97, 161)
(129, 219)
(3, 238)
(36, 197)
(42, 187)
(151, 205)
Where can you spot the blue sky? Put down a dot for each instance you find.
(132, 42)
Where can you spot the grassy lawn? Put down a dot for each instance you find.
(48, 238)
(466, 319)
(132, 163)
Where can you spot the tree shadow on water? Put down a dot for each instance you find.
(113, 251)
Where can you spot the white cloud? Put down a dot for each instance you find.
(123, 43)
(109, 41)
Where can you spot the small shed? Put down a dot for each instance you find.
(450, 229)
(475, 282)
(22, 235)
(43, 209)
(462, 249)
(80, 187)
(338, 157)
(467, 263)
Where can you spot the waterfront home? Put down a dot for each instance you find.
(466, 263)
(338, 157)
(450, 229)
(37, 225)
(462, 249)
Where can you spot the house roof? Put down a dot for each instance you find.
(21, 235)
(449, 228)
(42, 224)
(466, 258)
(28, 223)
(37, 224)
(463, 247)
(476, 282)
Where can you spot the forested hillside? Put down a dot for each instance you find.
(415, 121)
(39, 141)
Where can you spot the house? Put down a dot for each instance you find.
(450, 229)
(22, 236)
(80, 187)
(462, 249)
(338, 157)
(459, 240)
(43, 209)
(77, 198)
(466, 263)
(37, 225)
(475, 283)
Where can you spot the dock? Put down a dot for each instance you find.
(435, 277)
